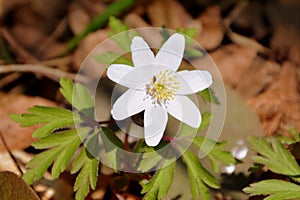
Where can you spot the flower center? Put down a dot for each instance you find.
(162, 88)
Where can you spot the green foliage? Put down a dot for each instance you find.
(112, 58)
(275, 156)
(295, 137)
(214, 151)
(87, 177)
(159, 185)
(200, 178)
(51, 118)
(278, 159)
(276, 189)
(124, 39)
(209, 95)
(60, 146)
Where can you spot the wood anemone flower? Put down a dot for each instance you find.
(156, 88)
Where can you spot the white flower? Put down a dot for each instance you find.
(156, 88)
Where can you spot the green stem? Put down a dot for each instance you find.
(99, 21)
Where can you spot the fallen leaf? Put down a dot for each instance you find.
(233, 61)
(78, 19)
(279, 106)
(212, 32)
(260, 75)
(15, 136)
(168, 13)
(13, 187)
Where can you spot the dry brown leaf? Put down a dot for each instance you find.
(213, 31)
(28, 36)
(233, 61)
(87, 45)
(6, 6)
(168, 13)
(78, 19)
(15, 136)
(258, 77)
(279, 106)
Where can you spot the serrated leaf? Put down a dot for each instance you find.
(83, 101)
(87, 177)
(123, 40)
(215, 151)
(199, 177)
(39, 164)
(275, 156)
(209, 95)
(197, 171)
(63, 146)
(66, 89)
(78, 95)
(206, 118)
(192, 53)
(111, 144)
(52, 118)
(158, 186)
(112, 58)
(150, 159)
(277, 189)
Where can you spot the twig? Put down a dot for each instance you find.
(10, 154)
(99, 21)
(54, 74)
(8, 79)
(20, 51)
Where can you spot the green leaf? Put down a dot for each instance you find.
(87, 177)
(209, 95)
(198, 171)
(215, 151)
(66, 89)
(150, 159)
(199, 176)
(275, 156)
(111, 144)
(290, 140)
(277, 189)
(112, 58)
(159, 185)
(39, 164)
(83, 101)
(78, 96)
(63, 146)
(206, 118)
(123, 40)
(192, 53)
(189, 34)
(52, 118)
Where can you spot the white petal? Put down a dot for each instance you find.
(130, 103)
(116, 72)
(183, 109)
(141, 52)
(193, 81)
(155, 121)
(171, 53)
(136, 78)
